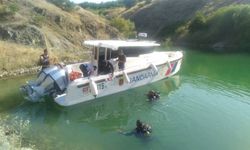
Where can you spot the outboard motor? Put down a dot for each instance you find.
(50, 81)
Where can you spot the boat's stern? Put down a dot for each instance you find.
(29, 93)
(50, 81)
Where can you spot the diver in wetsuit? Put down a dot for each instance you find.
(153, 95)
(141, 129)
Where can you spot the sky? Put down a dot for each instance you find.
(93, 1)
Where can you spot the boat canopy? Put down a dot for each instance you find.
(115, 44)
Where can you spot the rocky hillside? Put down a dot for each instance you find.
(161, 18)
(29, 26)
(37, 23)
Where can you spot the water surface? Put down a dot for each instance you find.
(206, 106)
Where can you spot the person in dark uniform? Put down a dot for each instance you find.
(44, 59)
(121, 60)
(109, 67)
(153, 95)
(142, 128)
(87, 69)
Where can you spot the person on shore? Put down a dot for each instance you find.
(121, 60)
(44, 59)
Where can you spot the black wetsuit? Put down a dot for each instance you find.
(152, 95)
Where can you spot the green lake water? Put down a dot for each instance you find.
(206, 106)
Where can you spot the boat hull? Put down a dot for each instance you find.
(82, 90)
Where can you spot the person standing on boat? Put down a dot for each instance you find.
(121, 60)
(44, 59)
(109, 67)
(88, 69)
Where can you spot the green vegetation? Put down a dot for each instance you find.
(107, 5)
(126, 27)
(129, 3)
(169, 31)
(13, 8)
(216, 24)
(198, 23)
(113, 4)
(38, 20)
(8, 10)
(148, 1)
(64, 4)
(228, 27)
(27, 27)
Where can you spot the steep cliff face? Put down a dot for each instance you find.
(162, 17)
(25, 34)
(160, 14)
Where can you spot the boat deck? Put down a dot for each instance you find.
(133, 63)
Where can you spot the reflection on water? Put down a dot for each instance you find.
(229, 69)
(10, 95)
(115, 107)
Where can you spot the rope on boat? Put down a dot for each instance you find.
(126, 76)
(154, 67)
(93, 87)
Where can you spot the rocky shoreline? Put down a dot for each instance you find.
(19, 72)
(29, 71)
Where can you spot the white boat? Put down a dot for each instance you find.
(69, 85)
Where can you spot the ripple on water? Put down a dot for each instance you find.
(219, 87)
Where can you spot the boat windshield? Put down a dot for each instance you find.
(42, 74)
(133, 51)
(48, 83)
(41, 77)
